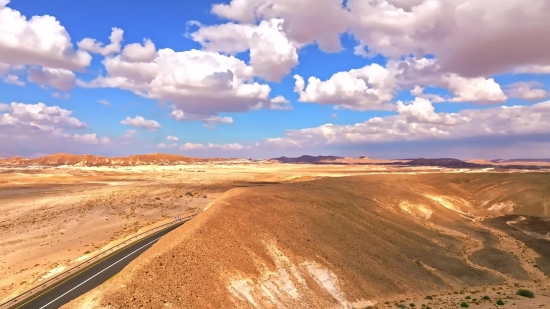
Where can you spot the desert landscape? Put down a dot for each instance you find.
(61, 209)
(266, 154)
(307, 232)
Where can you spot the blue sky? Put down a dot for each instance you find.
(264, 132)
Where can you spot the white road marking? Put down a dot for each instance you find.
(46, 305)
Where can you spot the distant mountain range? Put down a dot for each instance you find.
(519, 160)
(448, 162)
(171, 159)
(444, 162)
(91, 160)
(439, 162)
(307, 159)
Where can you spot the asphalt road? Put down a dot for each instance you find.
(90, 277)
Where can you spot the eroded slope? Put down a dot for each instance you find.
(331, 243)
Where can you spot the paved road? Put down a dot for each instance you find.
(90, 277)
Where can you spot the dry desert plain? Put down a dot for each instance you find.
(284, 235)
(53, 217)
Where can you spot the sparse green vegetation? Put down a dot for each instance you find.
(486, 297)
(500, 302)
(464, 305)
(468, 297)
(525, 293)
(429, 297)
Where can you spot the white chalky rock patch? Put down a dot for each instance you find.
(328, 281)
(507, 206)
(447, 203)
(283, 262)
(286, 285)
(242, 289)
(416, 210)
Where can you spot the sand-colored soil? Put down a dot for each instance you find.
(281, 235)
(54, 217)
(375, 240)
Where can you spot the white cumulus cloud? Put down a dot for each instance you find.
(470, 38)
(42, 115)
(136, 52)
(198, 146)
(197, 82)
(272, 54)
(533, 69)
(96, 47)
(422, 111)
(305, 22)
(42, 128)
(527, 90)
(59, 79)
(39, 40)
(166, 146)
(476, 89)
(419, 122)
(181, 116)
(368, 88)
(12, 79)
(140, 122)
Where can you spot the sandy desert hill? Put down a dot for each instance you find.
(351, 242)
(168, 159)
(294, 234)
(91, 160)
(54, 216)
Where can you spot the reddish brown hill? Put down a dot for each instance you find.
(91, 160)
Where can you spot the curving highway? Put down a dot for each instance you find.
(91, 276)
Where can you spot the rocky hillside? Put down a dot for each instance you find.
(340, 243)
(520, 160)
(307, 159)
(90, 160)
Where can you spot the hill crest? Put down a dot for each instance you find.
(59, 159)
